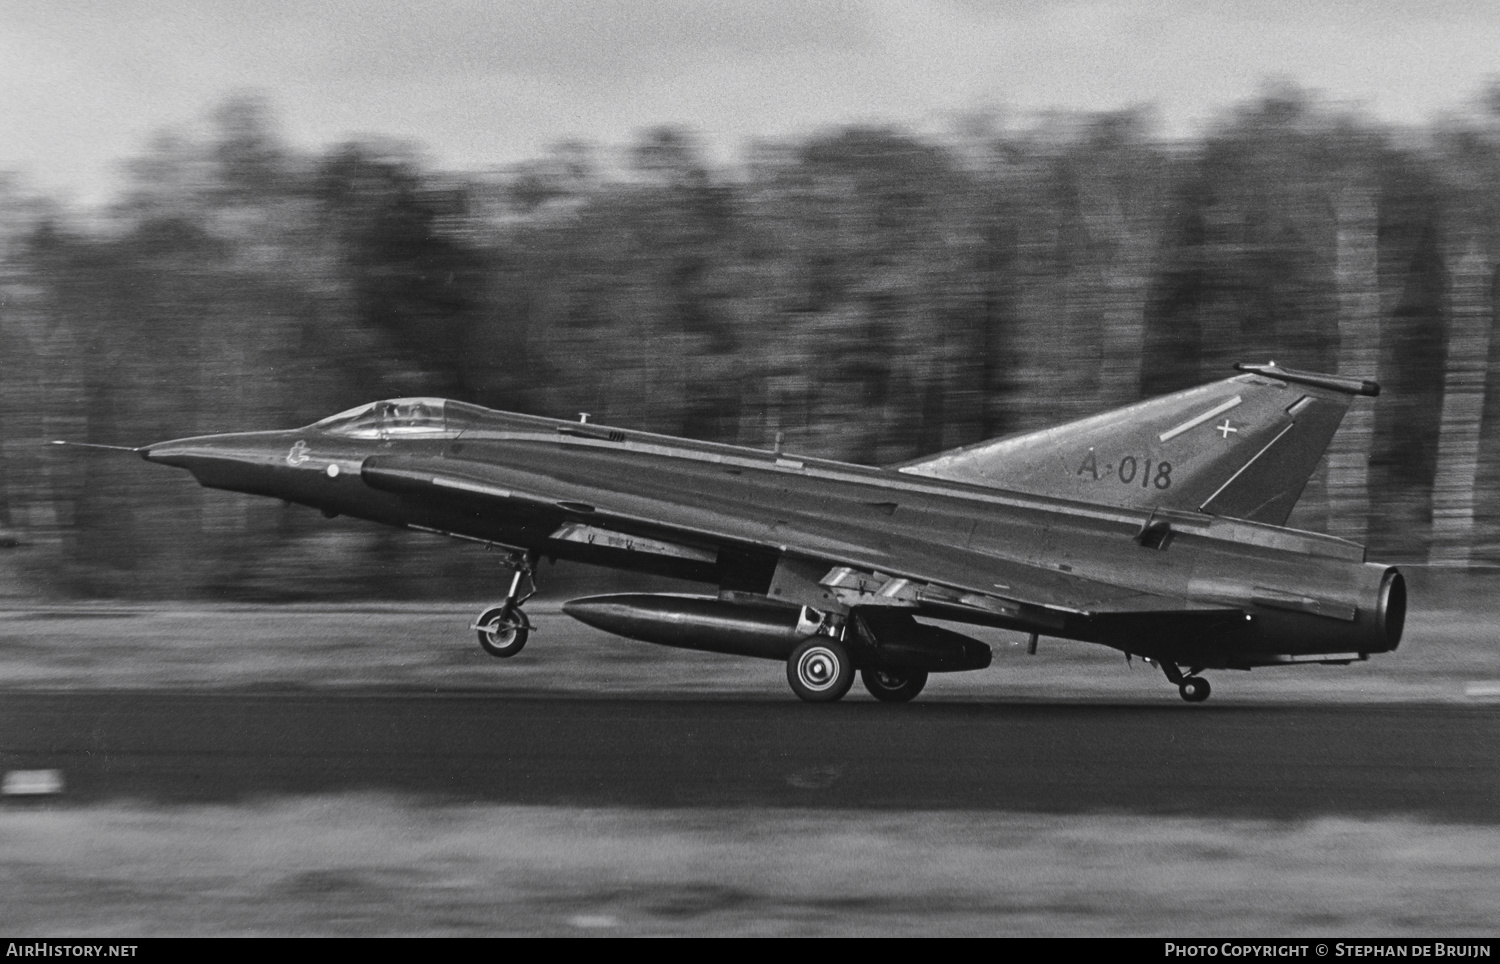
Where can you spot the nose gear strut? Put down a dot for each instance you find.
(504, 629)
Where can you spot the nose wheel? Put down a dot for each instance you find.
(504, 629)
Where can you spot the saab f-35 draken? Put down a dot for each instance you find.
(1157, 529)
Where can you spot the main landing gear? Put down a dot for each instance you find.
(1194, 688)
(821, 669)
(894, 685)
(504, 629)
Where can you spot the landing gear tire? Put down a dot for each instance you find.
(820, 670)
(503, 630)
(1195, 689)
(894, 686)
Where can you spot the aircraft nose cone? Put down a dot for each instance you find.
(218, 461)
(170, 453)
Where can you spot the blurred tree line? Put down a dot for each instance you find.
(872, 294)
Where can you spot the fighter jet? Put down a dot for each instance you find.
(1157, 529)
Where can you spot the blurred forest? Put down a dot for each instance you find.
(871, 293)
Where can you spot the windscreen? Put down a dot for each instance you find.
(393, 417)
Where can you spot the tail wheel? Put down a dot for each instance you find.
(820, 670)
(502, 630)
(1195, 689)
(894, 686)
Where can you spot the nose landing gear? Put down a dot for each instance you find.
(504, 629)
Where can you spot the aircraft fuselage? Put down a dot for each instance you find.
(736, 517)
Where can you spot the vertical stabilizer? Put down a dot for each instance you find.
(1243, 447)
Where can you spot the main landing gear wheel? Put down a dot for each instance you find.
(503, 630)
(894, 686)
(1194, 689)
(820, 670)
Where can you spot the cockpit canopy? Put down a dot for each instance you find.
(409, 417)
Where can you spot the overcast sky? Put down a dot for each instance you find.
(479, 83)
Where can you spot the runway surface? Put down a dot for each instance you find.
(1430, 761)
